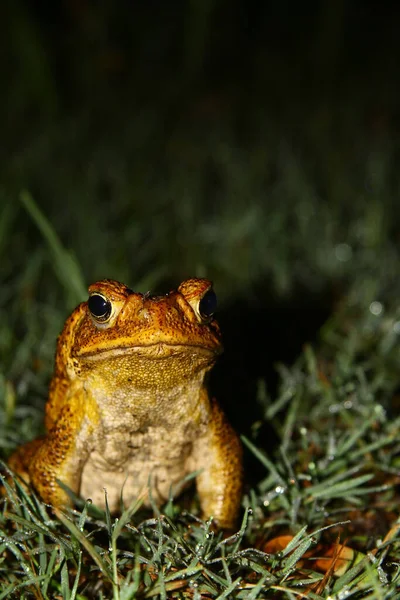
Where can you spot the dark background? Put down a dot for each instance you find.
(61, 55)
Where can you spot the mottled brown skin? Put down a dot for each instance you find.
(128, 409)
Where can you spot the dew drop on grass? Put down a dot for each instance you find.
(376, 308)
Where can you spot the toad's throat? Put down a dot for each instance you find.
(159, 350)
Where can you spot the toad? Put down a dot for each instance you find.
(128, 410)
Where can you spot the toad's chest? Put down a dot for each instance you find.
(147, 446)
(132, 462)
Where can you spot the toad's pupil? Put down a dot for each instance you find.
(99, 306)
(208, 304)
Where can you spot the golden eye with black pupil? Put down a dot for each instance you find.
(100, 307)
(208, 304)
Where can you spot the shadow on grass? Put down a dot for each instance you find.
(259, 332)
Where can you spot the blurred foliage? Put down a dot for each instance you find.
(227, 141)
(223, 141)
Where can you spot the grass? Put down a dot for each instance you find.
(332, 478)
(334, 475)
(284, 219)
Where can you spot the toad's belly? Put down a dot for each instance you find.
(136, 466)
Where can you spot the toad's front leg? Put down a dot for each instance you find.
(218, 453)
(59, 455)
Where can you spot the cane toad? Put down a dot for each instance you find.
(128, 409)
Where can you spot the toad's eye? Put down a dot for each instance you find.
(100, 307)
(208, 304)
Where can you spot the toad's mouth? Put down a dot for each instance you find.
(157, 351)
